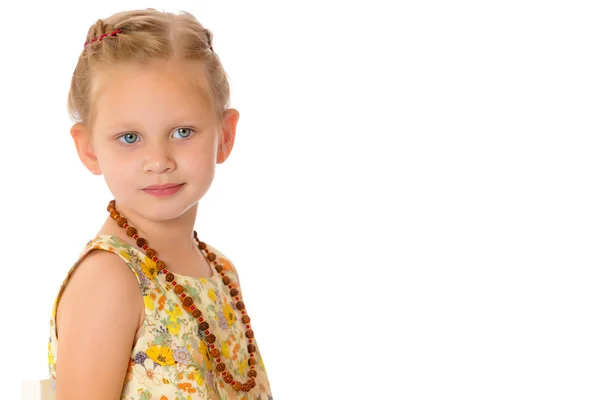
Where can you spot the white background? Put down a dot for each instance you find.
(412, 199)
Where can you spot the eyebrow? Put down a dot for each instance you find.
(127, 125)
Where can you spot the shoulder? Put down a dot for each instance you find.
(100, 281)
(101, 268)
(97, 318)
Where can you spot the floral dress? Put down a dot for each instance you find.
(170, 359)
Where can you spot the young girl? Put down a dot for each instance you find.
(149, 311)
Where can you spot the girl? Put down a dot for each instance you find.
(149, 311)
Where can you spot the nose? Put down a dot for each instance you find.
(158, 159)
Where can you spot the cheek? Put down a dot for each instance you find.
(119, 163)
(119, 171)
(121, 182)
(200, 169)
(200, 158)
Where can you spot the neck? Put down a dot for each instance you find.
(175, 236)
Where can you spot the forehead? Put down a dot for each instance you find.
(149, 92)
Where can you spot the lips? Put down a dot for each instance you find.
(163, 187)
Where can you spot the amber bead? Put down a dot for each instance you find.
(121, 221)
(130, 231)
(188, 301)
(211, 338)
(204, 325)
(237, 386)
(211, 256)
(249, 334)
(228, 378)
(220, 367)
(197, 313)
(215, 353)
(252, 373)
(160, 264)
(226, 280)
(219, 268)
(251, 348)
(178, 289)
(111, 204)
(202, 246)
(114, 215)
(239, 305)
(141, 242)
(234, 292)
(169, 277)
(245, 319)
(150, 252)
(251, 361)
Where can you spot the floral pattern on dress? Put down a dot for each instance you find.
(170, 359)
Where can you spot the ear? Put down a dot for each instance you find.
(230, 120)
(83, 143)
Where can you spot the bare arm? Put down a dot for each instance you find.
(97, 318)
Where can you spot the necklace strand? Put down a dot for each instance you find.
(188, 301)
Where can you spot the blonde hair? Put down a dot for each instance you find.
(146, 35)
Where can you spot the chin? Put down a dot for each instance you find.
(157, 208)
(162, 209)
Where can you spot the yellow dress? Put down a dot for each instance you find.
(170, 359)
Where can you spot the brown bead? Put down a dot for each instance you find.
(226, 280)
(169, 277)
(246, 387)
(114, 215)
(220, 367)
(251, 348)
(130, 231)
(239, 305)
(251, 361)
(245, 319)
(188, 302)
(111, 204)
(237, 386)
(204, 325)
(219, 268)
(178, 289)
(249, 334)
(150, 252)
(252, 382)
(195, 235)
(228, 378)
(252, 373)
(121, 221)
(215, 353)
(197, 313)
(141, 242)
(160, 264)
(211, 338)
(211, 257)
(202, 246)
(234, 292)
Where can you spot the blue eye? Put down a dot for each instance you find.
(129, 138)
(184, 135)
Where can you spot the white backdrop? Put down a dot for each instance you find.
(411, 202)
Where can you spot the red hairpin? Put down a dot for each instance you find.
(103, 35)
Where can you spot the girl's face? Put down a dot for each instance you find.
(154, 125)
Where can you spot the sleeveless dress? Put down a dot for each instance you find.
(170, 359)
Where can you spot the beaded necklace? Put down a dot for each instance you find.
(188, 302)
